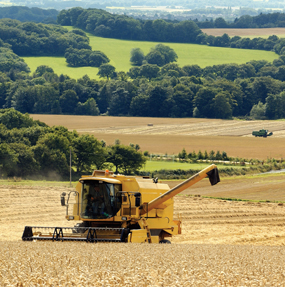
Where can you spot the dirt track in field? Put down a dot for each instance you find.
(246, 32)
(166, 135)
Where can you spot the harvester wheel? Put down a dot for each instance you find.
(165, 241)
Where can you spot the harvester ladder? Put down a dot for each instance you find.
(145, 225)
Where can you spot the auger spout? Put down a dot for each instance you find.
(210, 171)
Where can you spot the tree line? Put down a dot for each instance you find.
(26, 14)
(104, 24)
(37, 39)
(31, 149)
(263, 20)
(220, 91)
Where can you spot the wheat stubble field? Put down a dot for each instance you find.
(167, 135)
(258, 32)
(223, 243)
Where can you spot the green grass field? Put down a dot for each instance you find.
(158, 165)
(118, 52)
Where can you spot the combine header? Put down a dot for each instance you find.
(118, 208)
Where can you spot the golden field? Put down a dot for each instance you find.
(169, 135)
(67, 264)
(223, 243)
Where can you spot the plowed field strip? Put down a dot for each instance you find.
(257, 32)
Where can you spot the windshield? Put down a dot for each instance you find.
(100, 200)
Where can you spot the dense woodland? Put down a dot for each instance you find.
(33, 14)
(155, 86)
(104, 24)
(221, 91)
(263, 20)
(30, 148)
(33, 39)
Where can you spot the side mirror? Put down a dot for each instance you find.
(138, 199)
(62, 199)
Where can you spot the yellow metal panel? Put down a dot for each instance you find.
(105, 179)
(153, 186)
(163, 223)
(138, 236)
(126, 211)
(159, 212)
(155, 239)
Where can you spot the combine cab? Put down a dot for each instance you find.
(262, 133)
(118, 208)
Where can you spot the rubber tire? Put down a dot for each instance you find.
(165, 241)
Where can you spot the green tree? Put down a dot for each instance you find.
(139, 105)
(8, 160)
(212, 155)
(258, 111)
(88, 108)
(126, 159)
(137, 56)
(88, 152)
(224, 156)
(204, 101)
(182, 154)
(155, 58)
(157, 98)
(14, 119)
(120, 102)
(52, 153)
(26, 163)
(221, 106)
(68, 101)
(200, 155)
(106, 70)
(218, 155)
(97, 58)
(149, 71)
(161, 55)
(41, 70)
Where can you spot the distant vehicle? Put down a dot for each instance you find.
(262, 133)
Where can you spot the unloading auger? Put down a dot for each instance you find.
(119, 208)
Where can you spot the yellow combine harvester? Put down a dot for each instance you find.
(118, 208)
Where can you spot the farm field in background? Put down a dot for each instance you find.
(251, 33)
(169, 135)
(118, 52)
